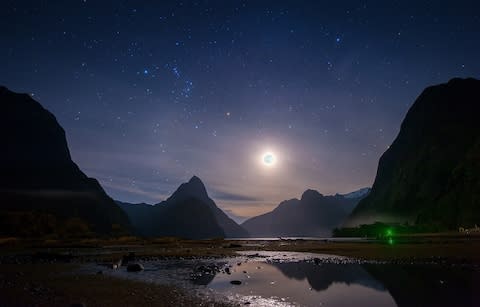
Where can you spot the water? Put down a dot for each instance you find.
(301, 283)
(303, 279)
(330, 239)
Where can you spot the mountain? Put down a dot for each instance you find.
(189, 212)
(312, 215)
(361, 193)
(41, 189)
(430, 175)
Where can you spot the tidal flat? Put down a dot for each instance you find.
(427, 271)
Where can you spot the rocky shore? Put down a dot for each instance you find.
(49, 275)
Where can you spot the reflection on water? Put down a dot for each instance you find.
(301, 279)
(302, 283)
(431, 285)
(321, 277)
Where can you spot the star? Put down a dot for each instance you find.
(176, 72)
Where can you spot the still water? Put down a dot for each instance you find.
(302, 279)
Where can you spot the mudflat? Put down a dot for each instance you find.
(45, 272)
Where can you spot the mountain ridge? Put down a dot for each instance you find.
(314, 214)
(40, 182)
(193, 192)
(431, 173)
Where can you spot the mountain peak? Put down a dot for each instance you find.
(461, 80)
(313, 215)
(194, 188)
(193, 196)
(195, 180)
(311, 194)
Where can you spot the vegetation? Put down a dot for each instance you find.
(385, 231)
(37, 224)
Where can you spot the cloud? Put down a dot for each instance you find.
(226, 196)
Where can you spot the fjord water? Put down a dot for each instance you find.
(302, 283)
(303, 279)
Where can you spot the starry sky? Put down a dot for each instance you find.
(153, 92)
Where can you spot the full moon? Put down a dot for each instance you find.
(268, 159)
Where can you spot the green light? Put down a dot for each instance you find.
(389, 233)
(390, 241)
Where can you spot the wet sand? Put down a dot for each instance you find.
(44, 272)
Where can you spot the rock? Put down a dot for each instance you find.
(210, 269)
(117, 264)
(227, 270)
(236, 282)
(135, 267)
(234, 245)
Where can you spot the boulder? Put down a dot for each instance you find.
(135, 267)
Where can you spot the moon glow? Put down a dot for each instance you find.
(268, 159)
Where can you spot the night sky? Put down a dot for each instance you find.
(151, 93)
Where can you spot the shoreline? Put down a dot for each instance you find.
(42, 273)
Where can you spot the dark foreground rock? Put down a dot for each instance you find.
(135, 267)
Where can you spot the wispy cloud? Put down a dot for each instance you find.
(227, 196)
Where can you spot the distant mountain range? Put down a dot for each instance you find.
(189, 212)
(430, 175)
(42, 190)
(311, 215)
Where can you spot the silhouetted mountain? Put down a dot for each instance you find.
(431, 173)
(312, 215)
(41, 189)
(140, 216)
(189, 212)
